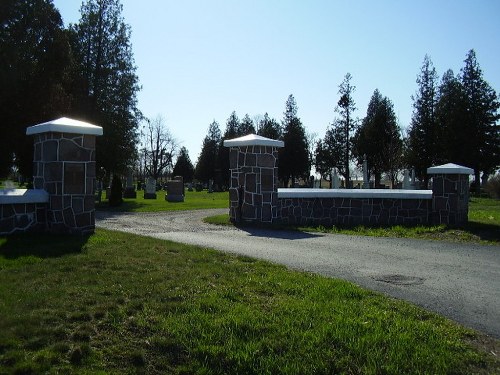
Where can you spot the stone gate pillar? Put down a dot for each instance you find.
(450, 194)
(253, 191)
(64, 166)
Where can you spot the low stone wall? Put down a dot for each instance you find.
(330, 207)
(23, 210)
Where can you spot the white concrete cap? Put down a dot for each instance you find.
(65, 125)
(253, 140)
(450, 168)
(354, 193)
(15, 196)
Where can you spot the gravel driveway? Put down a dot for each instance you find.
(460, 281)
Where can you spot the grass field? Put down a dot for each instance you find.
(193, 201)
(118, 303)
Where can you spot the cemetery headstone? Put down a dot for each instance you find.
(175, 190)
(129, 188)
(150, 192)
(366, 183)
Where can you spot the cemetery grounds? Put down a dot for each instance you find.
(121, 303)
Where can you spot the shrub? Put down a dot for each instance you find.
(492, 187)
(115, 195)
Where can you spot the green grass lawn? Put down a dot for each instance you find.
(193, 201)
(119, 303)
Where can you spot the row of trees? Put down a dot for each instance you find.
(85, 71)
(295, 161)
(455, 121)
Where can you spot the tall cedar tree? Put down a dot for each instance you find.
(451, 110)
(246, 126)
(269, 128)
(329, 152)
(294, 157)
(481, 120)
(232, 131)
(208, 159)
(35, 59)
(334, 151)
(423, 146)
(379, 139)
(183, 166)
(106, 82)
(345, 108)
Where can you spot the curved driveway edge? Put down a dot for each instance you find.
(459, 281)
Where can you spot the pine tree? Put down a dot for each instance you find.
(330, 152)
(232, 131)
(379, 138)
(183, 166)
(34, 63)
(294, 157)
(269, 128)
(106, 84)
(481, 120)
(246, 126)
(423, 137)
(450, 114)
(207, 160)
(345, 108)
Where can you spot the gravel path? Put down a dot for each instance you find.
(459, 281)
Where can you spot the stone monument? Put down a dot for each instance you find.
(175, 190)
(129, 188)
(150, 192)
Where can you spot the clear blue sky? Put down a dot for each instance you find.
(199, 60)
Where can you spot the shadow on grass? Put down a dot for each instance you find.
(485, 232)
(40, 245)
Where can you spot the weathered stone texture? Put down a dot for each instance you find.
(61, 158)
(352, 211)
(252, 183)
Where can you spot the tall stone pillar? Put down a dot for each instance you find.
(253, 191)
(450, 194)
(64, 166)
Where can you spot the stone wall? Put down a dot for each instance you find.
(254, 196)
(353, 211)
(22, 217)
(64, 165)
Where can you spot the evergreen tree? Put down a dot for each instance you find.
(232, 131)
(294, 157)
(481, 120)
(345, 108)
(423, 138)
(207, 160)
(269, 128)
(106, 84)
(450, 114)
(379, 138)
(34, 62)
(330, 152)
(183, 166)
(246, 126)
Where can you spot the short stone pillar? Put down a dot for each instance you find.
(64, 166)
(253, 191)
(450, 194)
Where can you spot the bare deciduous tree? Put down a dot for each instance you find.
(160, 147)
